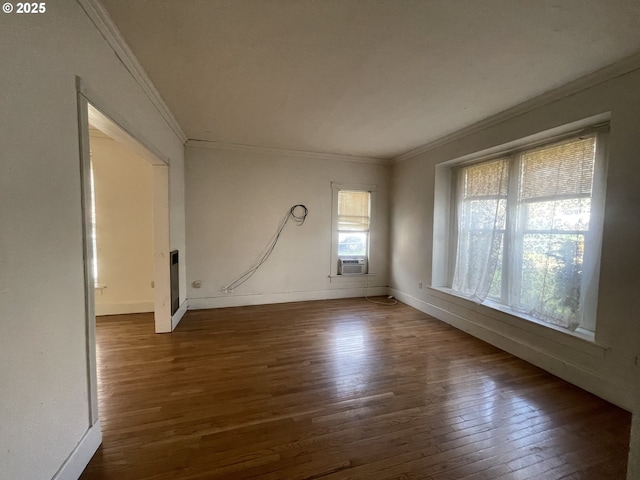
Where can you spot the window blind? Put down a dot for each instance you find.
(562, 169)
(353, 211)
(486, 179)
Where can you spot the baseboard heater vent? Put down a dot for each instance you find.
(174, 276)
(352, 266)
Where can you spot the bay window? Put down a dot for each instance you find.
(527, 230)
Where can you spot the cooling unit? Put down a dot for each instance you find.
(352, 266)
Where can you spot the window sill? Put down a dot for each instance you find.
(580, 339)
(352, 278)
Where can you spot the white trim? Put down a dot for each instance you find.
(364, 187)
(161, 249)
(583, 341)
(101, 19)
(117, 127)
(602, 75)
(352, 278)
(79, 458)
(123, 308)
(599, 122)
(286, 297)
(175, 319)
(88, 260)
(287, 152)
(119, 131)
(559, 367)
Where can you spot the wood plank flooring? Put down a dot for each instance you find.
(337, 389)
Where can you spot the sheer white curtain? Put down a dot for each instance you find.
(482, 201)
(528, 231)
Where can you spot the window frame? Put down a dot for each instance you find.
(357, 187)
(93, 235)
(446, 208)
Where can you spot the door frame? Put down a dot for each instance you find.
(92, 111)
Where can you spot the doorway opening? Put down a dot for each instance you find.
(155, 171)
(121, 227)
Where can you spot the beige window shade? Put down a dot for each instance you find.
(487, 179)
(353, 211)
(565, 169)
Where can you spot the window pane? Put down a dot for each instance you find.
(495, 290)
(93, 235)
(554, 194)
(566, 214)
(486, 215)
(352, 244)
(481, 224)
(479, 264)
(551, 277)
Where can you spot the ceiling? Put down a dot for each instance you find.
(373, 78)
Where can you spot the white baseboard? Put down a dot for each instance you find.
(79, 458)
(175, 319)
(560, 367)
(233, 300)
(123, 308)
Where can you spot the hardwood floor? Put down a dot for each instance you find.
(338, 389)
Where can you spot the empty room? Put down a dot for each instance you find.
(383, 239)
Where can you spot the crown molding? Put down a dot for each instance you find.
(101, 19)
(602, 75)
(287, 152)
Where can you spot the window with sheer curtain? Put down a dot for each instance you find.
(528, 230)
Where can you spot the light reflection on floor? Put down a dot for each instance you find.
(351, 358)
(495, 404)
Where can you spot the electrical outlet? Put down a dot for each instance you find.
(420, 285)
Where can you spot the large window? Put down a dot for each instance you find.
(528, 229)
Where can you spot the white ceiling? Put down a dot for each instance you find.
(371, 78)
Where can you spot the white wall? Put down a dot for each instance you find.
(235, 201)
(608, 369)
(124, 227)
(177, 228)
(44, 405)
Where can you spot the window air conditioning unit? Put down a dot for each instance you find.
(352, 266)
